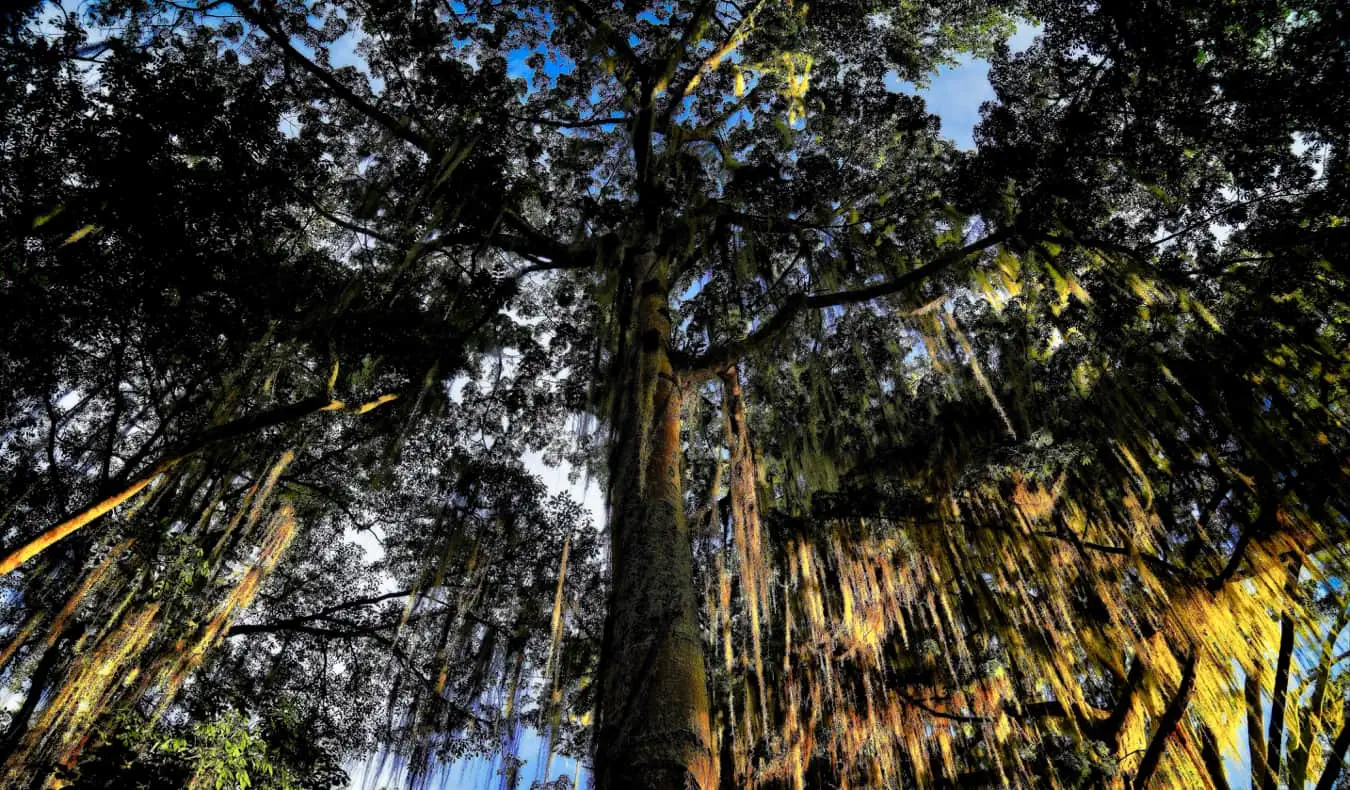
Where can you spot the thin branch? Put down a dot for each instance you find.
(1256, 739)
(1181, 574)
(353, 227)
(301, 628)
(534, 244)
(691, 80)
(1221, 578)
(575, 124)
(611, 37)
(299, 622)
(923, 706)
(401, 129)
(1266, 524)
(563, 256)
(693, 30)
(373, 635)
(1209, 219)
(1212, 758)
(1110, 729)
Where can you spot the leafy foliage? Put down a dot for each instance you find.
(1015, 466)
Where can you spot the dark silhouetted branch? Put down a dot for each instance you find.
(402, 129)
(717, 359)
(1167, 725)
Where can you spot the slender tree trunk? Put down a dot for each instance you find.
(38, 683)
(653, 730)
(1335, 760)
(1279, 696)
(1256, 739)
(1311, 718)
(1213, 759)
(1167, 726)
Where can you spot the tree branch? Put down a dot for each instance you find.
(925, 707)
(371, 634)
(1110, 728)
(693, 30)
(1266, 524)
(691, 80)
(1212, 758)
(718, 358)
(575, 124)
(1256, 739)
(221, 433)
(561, 256)
(246, 629)
(355, 603)
(401, 129)
(611, 37)
(1167, 725)
(1181, 574)
(536, 247)
(353, 227)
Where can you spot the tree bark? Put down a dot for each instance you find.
(653, 729)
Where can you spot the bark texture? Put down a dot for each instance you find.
(653, 729)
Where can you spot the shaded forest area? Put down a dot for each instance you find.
(1019, 466)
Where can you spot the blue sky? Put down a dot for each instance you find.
(956, 93)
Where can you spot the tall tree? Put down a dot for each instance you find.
(1018, 445)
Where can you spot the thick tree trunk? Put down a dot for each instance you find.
(653, 729)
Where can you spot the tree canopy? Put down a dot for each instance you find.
(1023, 465)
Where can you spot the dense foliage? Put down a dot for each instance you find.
(1017, 466)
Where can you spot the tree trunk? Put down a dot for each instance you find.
(1212, 758)
(1335, 760)
(653, 729)
(1301, 753)
(1279, 697)
(38, 682)
(1256, 739)
(1167, 726)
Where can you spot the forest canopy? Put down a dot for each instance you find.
(1015, 465)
